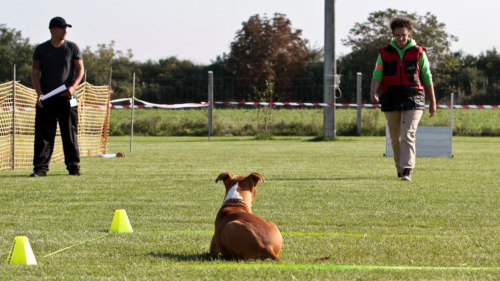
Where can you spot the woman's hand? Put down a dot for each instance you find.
(432, 108)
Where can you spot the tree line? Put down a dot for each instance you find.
(270, 49)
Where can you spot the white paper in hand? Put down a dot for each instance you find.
(73, 102)
(54, 92)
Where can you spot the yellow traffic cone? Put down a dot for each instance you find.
(21, 252)
(120, 222)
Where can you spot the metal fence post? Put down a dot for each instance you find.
(81, 108)
(210, 102)
(330, 71)
(110, 76)
(359, 77)
(14, 120)
(132, 117)
(106, 124)
(451, 122)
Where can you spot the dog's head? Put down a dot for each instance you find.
(241, 187)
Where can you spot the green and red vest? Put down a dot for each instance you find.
(401, 85)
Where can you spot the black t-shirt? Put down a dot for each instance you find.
(56, 65)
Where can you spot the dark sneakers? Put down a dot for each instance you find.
(75, 172)
(406, 174)
(38, 174)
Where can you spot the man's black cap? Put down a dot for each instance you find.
(58, 22)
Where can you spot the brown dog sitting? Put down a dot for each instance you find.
(239, 234)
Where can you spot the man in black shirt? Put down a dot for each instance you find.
(56, 62)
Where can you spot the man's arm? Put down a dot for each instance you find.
(373, 92)
(425, 71)
(79, 70)
(35, 80)
(429, 90)
(376, 79)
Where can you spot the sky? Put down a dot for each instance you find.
(200, 30)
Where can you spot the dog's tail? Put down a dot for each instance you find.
(271, 254)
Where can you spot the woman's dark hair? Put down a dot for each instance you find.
(401, 22)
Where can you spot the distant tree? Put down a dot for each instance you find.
(376, 33)
(264, 113)
(171, 80)
(473, 80)
(98, 66)
(362, 60)
(489, 64)
(266, 49)
(14, 49)
(457, 73)
(123, 70)
(219, 66)
(365, 39)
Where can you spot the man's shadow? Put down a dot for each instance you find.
(28, 176)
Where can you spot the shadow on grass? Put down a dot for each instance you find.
(181, 257)
(325, 139)
(27, 175)
(15, 176)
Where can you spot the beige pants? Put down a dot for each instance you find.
(403, 129)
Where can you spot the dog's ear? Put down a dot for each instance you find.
(257, 177)
(223, 177)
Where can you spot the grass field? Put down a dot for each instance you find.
(242, 121)
(337, 203)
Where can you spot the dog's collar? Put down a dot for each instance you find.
(234, 200)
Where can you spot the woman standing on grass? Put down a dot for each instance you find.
(403, 71)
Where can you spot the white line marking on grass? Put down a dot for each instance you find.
(81, 243)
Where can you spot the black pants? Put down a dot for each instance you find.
(46, 120)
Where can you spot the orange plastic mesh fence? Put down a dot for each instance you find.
(16, 149)
(93, 113)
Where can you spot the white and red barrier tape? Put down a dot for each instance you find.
(312, 104)
(317, 104)
(204, 104)
(165, 106)
(146, 104)
(120, 100)
(309, 104)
